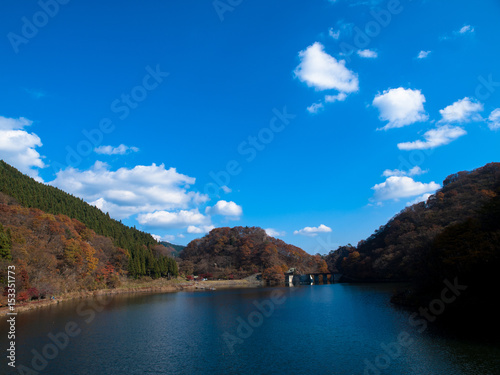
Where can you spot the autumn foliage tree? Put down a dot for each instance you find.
(273, 274)
(242, 251)
(5, 243)
(402, 248)
(27, 192)
(55, 254)
(59, 243)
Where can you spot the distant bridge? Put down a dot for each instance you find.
(311, 278)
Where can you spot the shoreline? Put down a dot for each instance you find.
(133, 287)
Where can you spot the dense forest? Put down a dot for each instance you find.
(399, 250)
(455, 235)
(59, 244)
(175, 250)
(30, 193)
(241, 251)
(52, 239)
(55, 254)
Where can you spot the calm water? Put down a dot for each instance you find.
(324, 329)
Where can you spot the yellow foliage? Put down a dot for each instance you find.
(88, 254)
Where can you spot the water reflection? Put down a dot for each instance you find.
(330, 328)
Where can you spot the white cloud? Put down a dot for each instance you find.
(494, 119)
(225, 208)
(415, 171)
(226, 189)
(423, 54)
(367, 53)
(344, 27)
(464, 30)
(194, 229)
(313, 231)
(17, 146)
(199, 230)
(401, 107)
(120, 150)
(396, 187)
(166, 237)
(434, 138)
(463, 110)
(340, 97)
(167, 219)
(274, 233)
(14, 123)
(335, 34)
(422, 198)
(323, 72)
(126, 192)
(467, 29)
(156, 237)
(315, 107)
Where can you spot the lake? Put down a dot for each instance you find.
(325, 329)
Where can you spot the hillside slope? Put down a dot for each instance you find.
(59, 243)
(452, 239)
(54, 254)
(30, 193)
(175, 250)
(400, 249)
(241, 251)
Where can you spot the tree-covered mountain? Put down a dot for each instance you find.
(30, 193)
(175, 250)
(454, 236)
(60, 243)
(241, 251)
(55, 254)
(399, 250)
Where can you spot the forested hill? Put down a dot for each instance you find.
(30, 193)
(59, 243)
(55, 254)
(402, 249)
(241, 251)
(454, 236)
(174, 249)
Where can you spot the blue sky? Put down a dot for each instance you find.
(317, 120)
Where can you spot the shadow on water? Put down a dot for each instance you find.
(329, 328)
